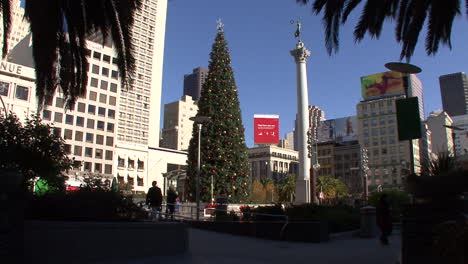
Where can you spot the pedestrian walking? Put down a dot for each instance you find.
(171, 201)
(154, 200)
(384, 219)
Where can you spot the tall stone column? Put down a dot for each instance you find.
(300, 55)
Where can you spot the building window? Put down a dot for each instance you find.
(58, 117)
(87, 166)
(92, 96)
(22, 92)
(110, 127)
(383, 131)
(89, 137)
(80, 121)
(102, 98)
(100, 125)
(112, 100)
(141, 165)
(121, 162)
(109, 141)
(77, 150)
(106, 58)
(101, 111)
(68, 149)
(113, 87)
(95, 69)
(78, 136)
(140, 181)
(109, 154)
(98, 167)
(81, 107)
(90, 123)
(108, 169)
(104, 85)
(69, 119)
(97, 55)
(91, 109)
(4, 88)
(100, 139)
(115, 75)
(94, 82)
(98, 154)
(68, 134)
(105, 71)
(131, 164)
(89, 152)
(111, 113)
(365, 123)
(46, 115)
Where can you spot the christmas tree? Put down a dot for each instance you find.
(223, 151)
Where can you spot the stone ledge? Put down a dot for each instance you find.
(82, 242)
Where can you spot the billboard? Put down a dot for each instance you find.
(266, 129)
(338, 130)
(382, 84)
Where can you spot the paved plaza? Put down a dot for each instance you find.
(211, 247)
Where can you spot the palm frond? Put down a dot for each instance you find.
(373, 16)
(350, 6)
(417, 13)
(331, 20)
(441, 16)
(402, 20)
(5, 9)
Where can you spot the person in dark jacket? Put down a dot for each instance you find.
(171, 200)
(384, 219)
(154, 200)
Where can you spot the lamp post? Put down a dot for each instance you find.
(365, 169)
(406, 69)
(313, 151)
(199, 120)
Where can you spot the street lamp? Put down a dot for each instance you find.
(406, 69)
(199, 120)
(365, 169)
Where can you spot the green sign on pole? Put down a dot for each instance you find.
(408, 119)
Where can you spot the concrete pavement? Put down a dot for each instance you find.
(207, 247)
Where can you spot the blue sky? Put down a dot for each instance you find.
(260, 36)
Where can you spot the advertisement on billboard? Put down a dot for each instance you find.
(381, 84)
(338, 130)
(266, 129)
(346, 129)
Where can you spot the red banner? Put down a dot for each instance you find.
(266, 129)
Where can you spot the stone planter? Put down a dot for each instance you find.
(84, 242)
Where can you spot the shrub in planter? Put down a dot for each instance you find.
(340, 218)
(397, 200)
(84, 205)
(270, 210)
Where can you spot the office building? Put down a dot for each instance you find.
(454, 93)
(193, 82)
(177, 130)
(442, 138)
(272, 162)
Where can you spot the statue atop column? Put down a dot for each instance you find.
(297, 34)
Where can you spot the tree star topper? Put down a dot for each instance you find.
(220, 25)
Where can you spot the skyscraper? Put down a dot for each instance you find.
(193, 82)
(442, 137)
(454, 92)
(178, 127)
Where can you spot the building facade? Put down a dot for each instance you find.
(177, 130)
(441, 135)
(378, 133)
(272, 162)
(454, 93)
(193, 82)
(461, 136)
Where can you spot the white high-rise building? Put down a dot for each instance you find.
(461, 136)
(19, 25)
(442, 138)
(178, 127)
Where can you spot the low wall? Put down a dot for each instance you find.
(81, 242)
(293, 231)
